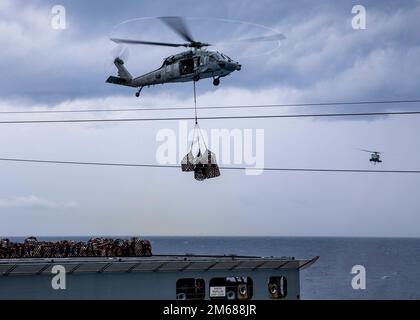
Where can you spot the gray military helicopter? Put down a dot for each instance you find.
(374, 157)
(192, 65)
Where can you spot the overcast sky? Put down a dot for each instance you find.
(322, 59)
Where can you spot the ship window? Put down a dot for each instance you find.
(190, 289)
(231, 288)
(277, 287)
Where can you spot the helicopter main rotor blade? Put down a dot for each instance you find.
(153, 43)
(370, 151)
(272, 37)
(178, 25)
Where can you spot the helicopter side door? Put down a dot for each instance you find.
(186, 66)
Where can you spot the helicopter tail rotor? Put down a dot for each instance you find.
(122, 71)
(119, 53)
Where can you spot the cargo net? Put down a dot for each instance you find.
(95, 247)
(204, 162)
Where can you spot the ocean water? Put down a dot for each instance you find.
(392, 265)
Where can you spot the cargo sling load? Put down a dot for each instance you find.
(204, 163)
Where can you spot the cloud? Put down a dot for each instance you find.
(220, 97)
(61, 61)
(323, 58)
(33, 202)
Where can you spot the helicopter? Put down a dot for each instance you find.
(374, 157)
(191, 65)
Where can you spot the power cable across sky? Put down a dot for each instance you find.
(138, 165)
(310, 115)
(314, 104)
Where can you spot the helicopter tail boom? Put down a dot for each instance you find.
(120, 81)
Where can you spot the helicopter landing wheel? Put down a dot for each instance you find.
(138, 92)
(216, 81)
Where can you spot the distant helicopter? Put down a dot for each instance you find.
(191, 65)
(374, 157)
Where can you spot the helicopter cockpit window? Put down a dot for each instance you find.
(212, 58)
(226, 57)
(219, 56)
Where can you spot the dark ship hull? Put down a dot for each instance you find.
(156, 277)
